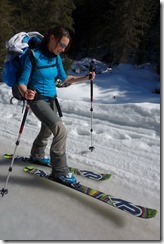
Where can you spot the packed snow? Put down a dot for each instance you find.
(126, 137)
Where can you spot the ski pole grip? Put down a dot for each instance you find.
(91, 70)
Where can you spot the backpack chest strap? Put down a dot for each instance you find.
(45, 66)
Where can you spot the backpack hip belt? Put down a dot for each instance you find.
(51, 101)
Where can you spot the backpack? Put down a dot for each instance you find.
(18, 47)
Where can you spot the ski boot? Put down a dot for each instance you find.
(42, 161)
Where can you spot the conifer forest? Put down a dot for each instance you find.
(113, 31)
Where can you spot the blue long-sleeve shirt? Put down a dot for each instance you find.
(42, 79)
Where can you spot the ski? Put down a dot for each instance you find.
(86, 173)
(135, 210)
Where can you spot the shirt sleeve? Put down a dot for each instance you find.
(61, 72)
(26, 72)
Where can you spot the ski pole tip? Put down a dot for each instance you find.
(91, 148)
(4, 192)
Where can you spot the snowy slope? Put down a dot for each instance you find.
(126, 137)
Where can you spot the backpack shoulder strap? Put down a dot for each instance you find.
(31, 54)
(33, 60)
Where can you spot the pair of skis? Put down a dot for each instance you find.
(131, 208)
(86, 173)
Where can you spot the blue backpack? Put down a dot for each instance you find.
(18, 47)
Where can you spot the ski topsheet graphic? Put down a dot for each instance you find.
(131, 208)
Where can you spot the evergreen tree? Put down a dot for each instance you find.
(42, 14)
(32, 15)
(149, 48)
(127, 29)
(123, 31)
(89, 25)
(7, 25)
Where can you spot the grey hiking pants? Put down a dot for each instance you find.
(51, 124)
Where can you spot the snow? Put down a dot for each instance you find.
(126, 137)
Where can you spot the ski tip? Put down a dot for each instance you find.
(106, 176)
(152, 213)
(148, 213)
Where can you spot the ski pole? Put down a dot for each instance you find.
(4, 190)
(91, 70)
